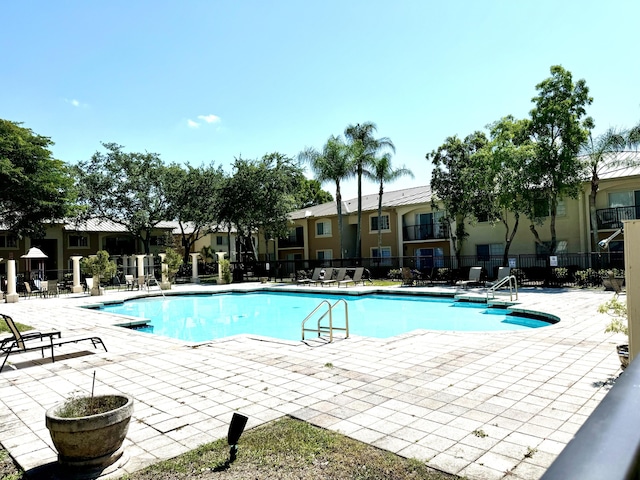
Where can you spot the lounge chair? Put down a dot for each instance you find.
(503, 272)
(88, 282)
(28, 291)
(326, 276)
(52, 288)
(340, 273)
(128, 280)
(474, 278)
(357, 277)
(410, 277)
(28, 342)
(314, 277)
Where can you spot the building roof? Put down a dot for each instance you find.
(396, 198)
(621, 164)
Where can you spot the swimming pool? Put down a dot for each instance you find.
(201, 318)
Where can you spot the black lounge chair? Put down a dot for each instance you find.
(30, 341)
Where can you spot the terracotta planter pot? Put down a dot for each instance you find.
(94, 442)
(623, 355)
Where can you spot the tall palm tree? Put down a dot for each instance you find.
(597, 151)
(363, 148)
(382, 171)
(332, 164)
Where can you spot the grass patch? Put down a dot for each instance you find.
(20, 326)
(291, 449)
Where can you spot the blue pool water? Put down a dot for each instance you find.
(279, 314)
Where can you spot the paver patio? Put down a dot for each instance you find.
(481, 405)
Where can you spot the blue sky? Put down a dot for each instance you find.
(208, 81)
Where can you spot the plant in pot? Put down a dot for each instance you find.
(98, 266)
(225, 268)
(88, 433)
(619, 324)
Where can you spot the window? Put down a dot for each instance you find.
(157, 240)
(561, 209)
(8, 241)
(484, 252)
(384, 254)
(323, 228)
(384, 223)
(76, 241)
(621, 199)
(324, 254)
(221, 240)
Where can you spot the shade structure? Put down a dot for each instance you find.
(34, 253)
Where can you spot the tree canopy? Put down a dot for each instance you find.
(34, 187)
(125, 188)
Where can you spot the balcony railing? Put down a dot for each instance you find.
(611, 218)
(424, 231)
(291, 243)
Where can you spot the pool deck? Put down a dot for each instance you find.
(480, 405)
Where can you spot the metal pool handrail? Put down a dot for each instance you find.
(319, 329)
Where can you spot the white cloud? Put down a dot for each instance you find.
(210, 118)
(192, 124)
(75, 103)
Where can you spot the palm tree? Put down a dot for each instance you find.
(363, 148)
(382, 171)
(597, 151)
(332, 164)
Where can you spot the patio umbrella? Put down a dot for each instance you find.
(35, 253)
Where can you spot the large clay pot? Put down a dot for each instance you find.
(90, 443)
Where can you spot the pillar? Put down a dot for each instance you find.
(12, 296)
(632, 282)
(140, 274)
(1, 292)
(164, 268)
(77, 288)
(194, 269)
(220, 258)
(125, 265)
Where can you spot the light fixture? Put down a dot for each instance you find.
(604, 244)
(236, 427)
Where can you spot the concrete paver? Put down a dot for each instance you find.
(484, 405)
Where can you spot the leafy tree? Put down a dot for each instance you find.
(382, 171)
(310, 193)
(125, 188)
(173, 260)
(259, 195)
(99, 265)
(558, 131)
(500, 172)
(331, 165)
(34, 187)
(454, 181)
(363, 148)
(193, 200)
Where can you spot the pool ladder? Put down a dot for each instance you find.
(513, 285)
(320, 329)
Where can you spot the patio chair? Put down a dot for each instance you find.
(336, 276)
(474, 278)
(129, 282)
(357, 277)
(88, 283)
(27, 342)
(503, 272)
(314, 277)
(326, 276)
(52, 289)
(28, 291)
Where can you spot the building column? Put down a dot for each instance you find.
(1, 292)
(125, 264)
(77, 288)
(12, 296)
(140, 274)
(194, 267)
(220, 258)
(164, 269)
(632, 283)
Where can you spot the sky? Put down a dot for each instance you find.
(208, 81)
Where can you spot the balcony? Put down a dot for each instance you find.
(425, 231)
(611, 218)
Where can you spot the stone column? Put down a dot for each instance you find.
(77, 288)
(194, 267)
(12, 296)
(220, 258)
(164, 282)
(632, 281)
(125, 265)
(1, 292)
(140, 259)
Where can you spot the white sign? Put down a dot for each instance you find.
(553, 261)
(512, 263)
